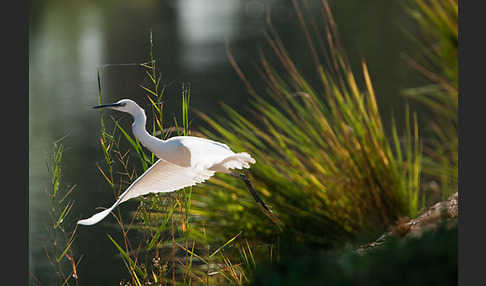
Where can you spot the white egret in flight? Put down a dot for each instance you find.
(183, 161)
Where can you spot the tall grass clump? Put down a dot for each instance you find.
(60, 234)
(325, 163)
(438, 42)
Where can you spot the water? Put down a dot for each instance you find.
(69, 39)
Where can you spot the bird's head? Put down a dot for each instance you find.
(124, 105)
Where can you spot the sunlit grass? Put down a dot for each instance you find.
(325, 163)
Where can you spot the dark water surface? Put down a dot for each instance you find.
(69, 39)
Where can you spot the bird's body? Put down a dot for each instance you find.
(183, 160)
(201, 153)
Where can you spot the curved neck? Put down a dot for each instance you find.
(138, 128)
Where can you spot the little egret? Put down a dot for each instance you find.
(183, 161)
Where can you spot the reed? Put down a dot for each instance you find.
(159, 243)
(61, 234)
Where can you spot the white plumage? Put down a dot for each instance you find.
(183, 161)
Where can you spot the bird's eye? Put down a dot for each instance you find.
(123, 104)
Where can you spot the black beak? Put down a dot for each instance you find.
(107, 105)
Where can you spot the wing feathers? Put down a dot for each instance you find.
(162, 176)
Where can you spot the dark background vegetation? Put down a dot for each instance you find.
(429, 260)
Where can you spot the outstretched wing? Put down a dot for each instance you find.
(162, 176)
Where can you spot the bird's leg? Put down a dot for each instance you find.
(257, 198)
(251, 189)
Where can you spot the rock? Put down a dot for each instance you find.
(447, 210)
